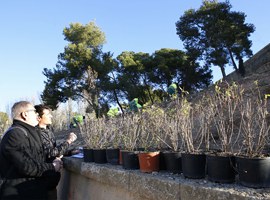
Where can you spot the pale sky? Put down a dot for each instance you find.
(31, 34)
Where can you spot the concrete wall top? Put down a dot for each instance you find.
(161, 185)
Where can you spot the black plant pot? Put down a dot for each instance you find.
(112, 156)
(100, 156)
(254, 172)
(162, 164)
(193, 165)
(88, 155)
(221, 169)
(130, 160)
(173, 161)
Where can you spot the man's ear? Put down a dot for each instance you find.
(23, 115)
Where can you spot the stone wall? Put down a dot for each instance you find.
(92, 181)
(256, 64)
(257, 69)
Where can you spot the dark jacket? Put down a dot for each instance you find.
(51, 149)
(23, 165)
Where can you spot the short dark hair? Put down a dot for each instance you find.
(40, 108)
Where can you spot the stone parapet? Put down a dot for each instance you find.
(92, 181)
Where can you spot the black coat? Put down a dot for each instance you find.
(51, 148)
(22, 164)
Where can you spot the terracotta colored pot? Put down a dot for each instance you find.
(149, 161)
(120, 157)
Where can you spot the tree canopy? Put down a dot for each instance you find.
(216, 35)
(80, 67)
(4, 122)
(172, 65)
(84, 71)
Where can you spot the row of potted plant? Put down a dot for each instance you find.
(224, 129)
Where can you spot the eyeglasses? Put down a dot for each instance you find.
(31, 110)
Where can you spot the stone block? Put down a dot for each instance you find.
(109, 174)
(153, 187)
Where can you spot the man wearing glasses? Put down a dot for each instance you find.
(23, 169)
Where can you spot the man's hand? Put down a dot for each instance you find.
(71, 138)
(58, 164)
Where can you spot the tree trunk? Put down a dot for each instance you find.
(241, 67)
(96, 104)
(117, 100)
(115, 93)
(233, 62)
(148, 90)
(223, 71)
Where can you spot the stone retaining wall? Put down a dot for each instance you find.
(92, 181)
(256, 64)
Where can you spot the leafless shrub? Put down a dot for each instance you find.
(225, 104)
(152, 132)
(255, 127)
(170, 127)
(178, 126)
(115, 133)
(185, 115)
(203, 120)
(95, 132)
(131, 127)
(59, 121)
(187, 126)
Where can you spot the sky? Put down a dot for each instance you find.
(31, 34)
